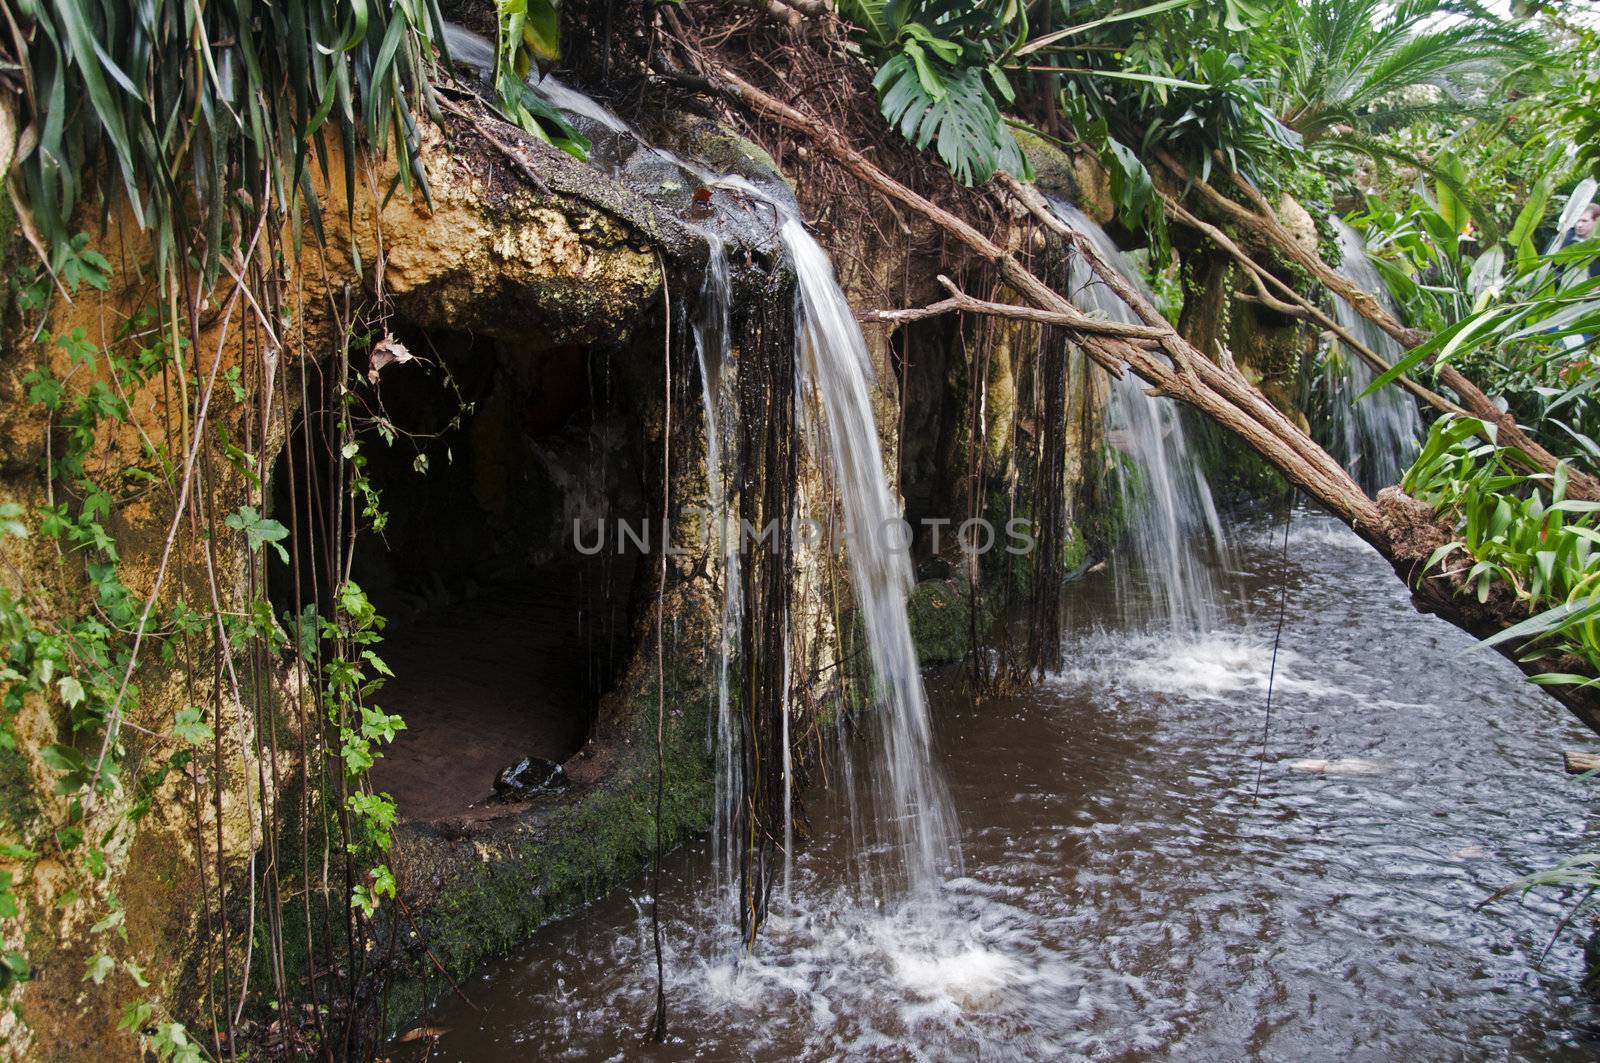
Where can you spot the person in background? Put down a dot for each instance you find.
(1583, 229)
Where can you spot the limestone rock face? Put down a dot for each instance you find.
(579, 261)
(572, 263)
(1298, 221)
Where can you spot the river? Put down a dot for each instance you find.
(1127, 894)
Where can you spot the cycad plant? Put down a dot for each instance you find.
(1355, 70)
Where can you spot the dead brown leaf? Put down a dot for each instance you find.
(388, 351)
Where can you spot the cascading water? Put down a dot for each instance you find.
(836, 367)
(913, 802)
(1375, 438)
(1166, 500)
(712, 348)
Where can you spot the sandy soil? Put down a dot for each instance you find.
(507, 673)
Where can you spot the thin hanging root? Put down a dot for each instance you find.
(659, 1029)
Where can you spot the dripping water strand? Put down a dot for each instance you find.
(659, 1032)
(1375, 437)
(1163, 492)
(1277, 638)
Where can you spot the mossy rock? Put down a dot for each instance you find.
(940, 612)
(1076, 177)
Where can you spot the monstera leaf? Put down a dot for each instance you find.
(931, 102)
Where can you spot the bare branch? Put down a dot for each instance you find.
(961, 302)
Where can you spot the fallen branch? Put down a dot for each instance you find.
(1263, 222)
(960, 301)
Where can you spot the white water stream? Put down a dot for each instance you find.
(1171, 517)
(836, 367)
(1377, 437)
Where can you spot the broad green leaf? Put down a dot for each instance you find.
(1531, 214)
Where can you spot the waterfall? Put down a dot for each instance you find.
(712, 348)
(1166, 501)
(836, 370)
(1375, 438)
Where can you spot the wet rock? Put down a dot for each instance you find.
(528, 778)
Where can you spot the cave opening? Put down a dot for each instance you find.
(505, 626)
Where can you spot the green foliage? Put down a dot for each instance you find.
(1228, 117)
(1371, 65)
(1514, 320)
(205, 112)
(361, 728)
(258, 530)
(941, 79)
(528, 31)
(1520, 531)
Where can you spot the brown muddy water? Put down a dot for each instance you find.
(1125, 895)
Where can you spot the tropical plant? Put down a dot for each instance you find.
(940, 79)
(1354, 72)
(1517, 529)
(1518, 321)
(205, 113)
(528, 32)
(1355, 68)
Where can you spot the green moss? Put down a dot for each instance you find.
(18, 803)
(940, 612)
(501, 888)
(1061, 174)
(1237, 474)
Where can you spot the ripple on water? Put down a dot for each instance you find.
(1127, 893)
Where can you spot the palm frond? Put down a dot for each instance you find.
(1361, 57)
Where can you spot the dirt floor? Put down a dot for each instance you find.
(513, 671)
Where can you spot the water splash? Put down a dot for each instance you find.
(1375, 438)
(1166, 500)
